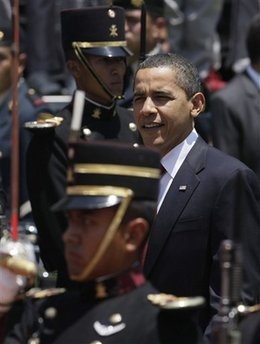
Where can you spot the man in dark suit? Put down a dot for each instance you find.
(96, 58)
(110, 202)
(236, 108)
(205, 196)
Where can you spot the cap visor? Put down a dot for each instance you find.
(86, 202)
(108, 51)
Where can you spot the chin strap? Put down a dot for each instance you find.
(88, 66)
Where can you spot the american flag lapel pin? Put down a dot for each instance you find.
(182, 187)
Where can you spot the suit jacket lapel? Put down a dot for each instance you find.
(174, 202)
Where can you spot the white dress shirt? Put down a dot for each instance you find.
(172, 161)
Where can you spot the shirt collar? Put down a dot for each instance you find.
(175, 157)
(254, 75)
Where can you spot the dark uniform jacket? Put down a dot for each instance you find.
(203, 207)
(250, 328)
(114, 311)
(29, 108)
(47, 168)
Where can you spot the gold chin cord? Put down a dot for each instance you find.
(88, 66)
(127, 196)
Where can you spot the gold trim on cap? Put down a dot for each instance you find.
(120, 170)
(85, 45)
(137, 3)
(97, 190)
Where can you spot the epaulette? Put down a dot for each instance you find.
(44, 123)
(36, 293)
(172, 302)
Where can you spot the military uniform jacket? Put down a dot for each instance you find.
(47, 169)
(78, 317)
(29, 107)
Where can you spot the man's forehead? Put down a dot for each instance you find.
(154, 74)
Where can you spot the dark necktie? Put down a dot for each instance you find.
(163, 171)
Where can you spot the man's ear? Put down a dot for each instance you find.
(135, 233)
(198, 104)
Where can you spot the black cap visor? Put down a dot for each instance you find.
(108, 51)
(86, 202)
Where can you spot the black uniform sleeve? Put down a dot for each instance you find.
(46, 171)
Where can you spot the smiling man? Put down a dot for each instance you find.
(96, 58)
(205, 195)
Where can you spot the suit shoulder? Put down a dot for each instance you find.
(225, 165)
(234, 90)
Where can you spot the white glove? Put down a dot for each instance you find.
(9, 287)
(18, 257)
(17, 269)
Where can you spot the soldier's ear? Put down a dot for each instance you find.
(135, 233)
(73, 67)
(22, 59)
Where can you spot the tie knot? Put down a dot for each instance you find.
(163, 170)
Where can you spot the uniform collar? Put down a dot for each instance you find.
(100, 112)
(107, 287)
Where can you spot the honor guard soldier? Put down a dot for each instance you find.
(142, 42)
(110, 202)
(30, 105)
(94, 44)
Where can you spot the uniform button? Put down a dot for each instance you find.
(86, 131)
(34, 341)
(132, 126)
(115, 318)
(50, 313)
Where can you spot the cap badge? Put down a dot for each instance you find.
(113, 30)
(1, 35)
(137, 3)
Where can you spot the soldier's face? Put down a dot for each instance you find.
(7, 65)
(110, 70)
(5, 69)
(133, 31)
(86, 229)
